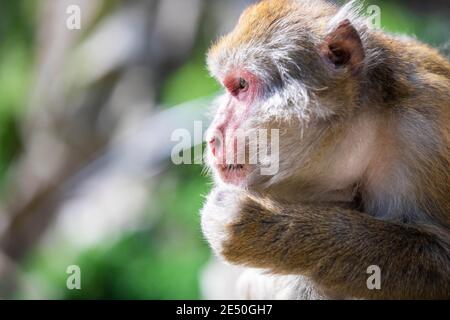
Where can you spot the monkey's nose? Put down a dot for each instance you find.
(215, 144)
(212, 144)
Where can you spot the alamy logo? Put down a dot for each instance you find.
(374, 281)
(259, 146)
(73, 21)
(374, 16)
(74, 279)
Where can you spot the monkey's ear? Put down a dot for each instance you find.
(343, 47)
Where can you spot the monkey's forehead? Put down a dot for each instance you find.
(257, 21)
(267, 20)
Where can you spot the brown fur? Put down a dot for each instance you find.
(396, 214)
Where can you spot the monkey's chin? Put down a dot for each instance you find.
(232, 173)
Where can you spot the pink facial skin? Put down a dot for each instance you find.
(243, 88)
(232, 82)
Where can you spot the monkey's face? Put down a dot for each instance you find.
(277, 94)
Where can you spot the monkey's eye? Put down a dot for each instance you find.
(243, 84)
(236, 86)
(240, 84)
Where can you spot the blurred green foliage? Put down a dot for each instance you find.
(191, 81)
(160, 260)
(398, 18)
(16, 63)
(163, 258)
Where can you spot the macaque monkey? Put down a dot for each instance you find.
(363, 161)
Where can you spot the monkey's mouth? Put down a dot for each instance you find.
(232, 173)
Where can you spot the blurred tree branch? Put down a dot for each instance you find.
(71, 119)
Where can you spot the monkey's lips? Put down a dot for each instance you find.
(232, 173)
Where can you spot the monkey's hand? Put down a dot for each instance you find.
(229, 210)
(219, 213)
(333, 246)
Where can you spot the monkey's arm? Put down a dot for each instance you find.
(331, 245)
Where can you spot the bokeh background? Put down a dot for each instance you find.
(86, 118)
